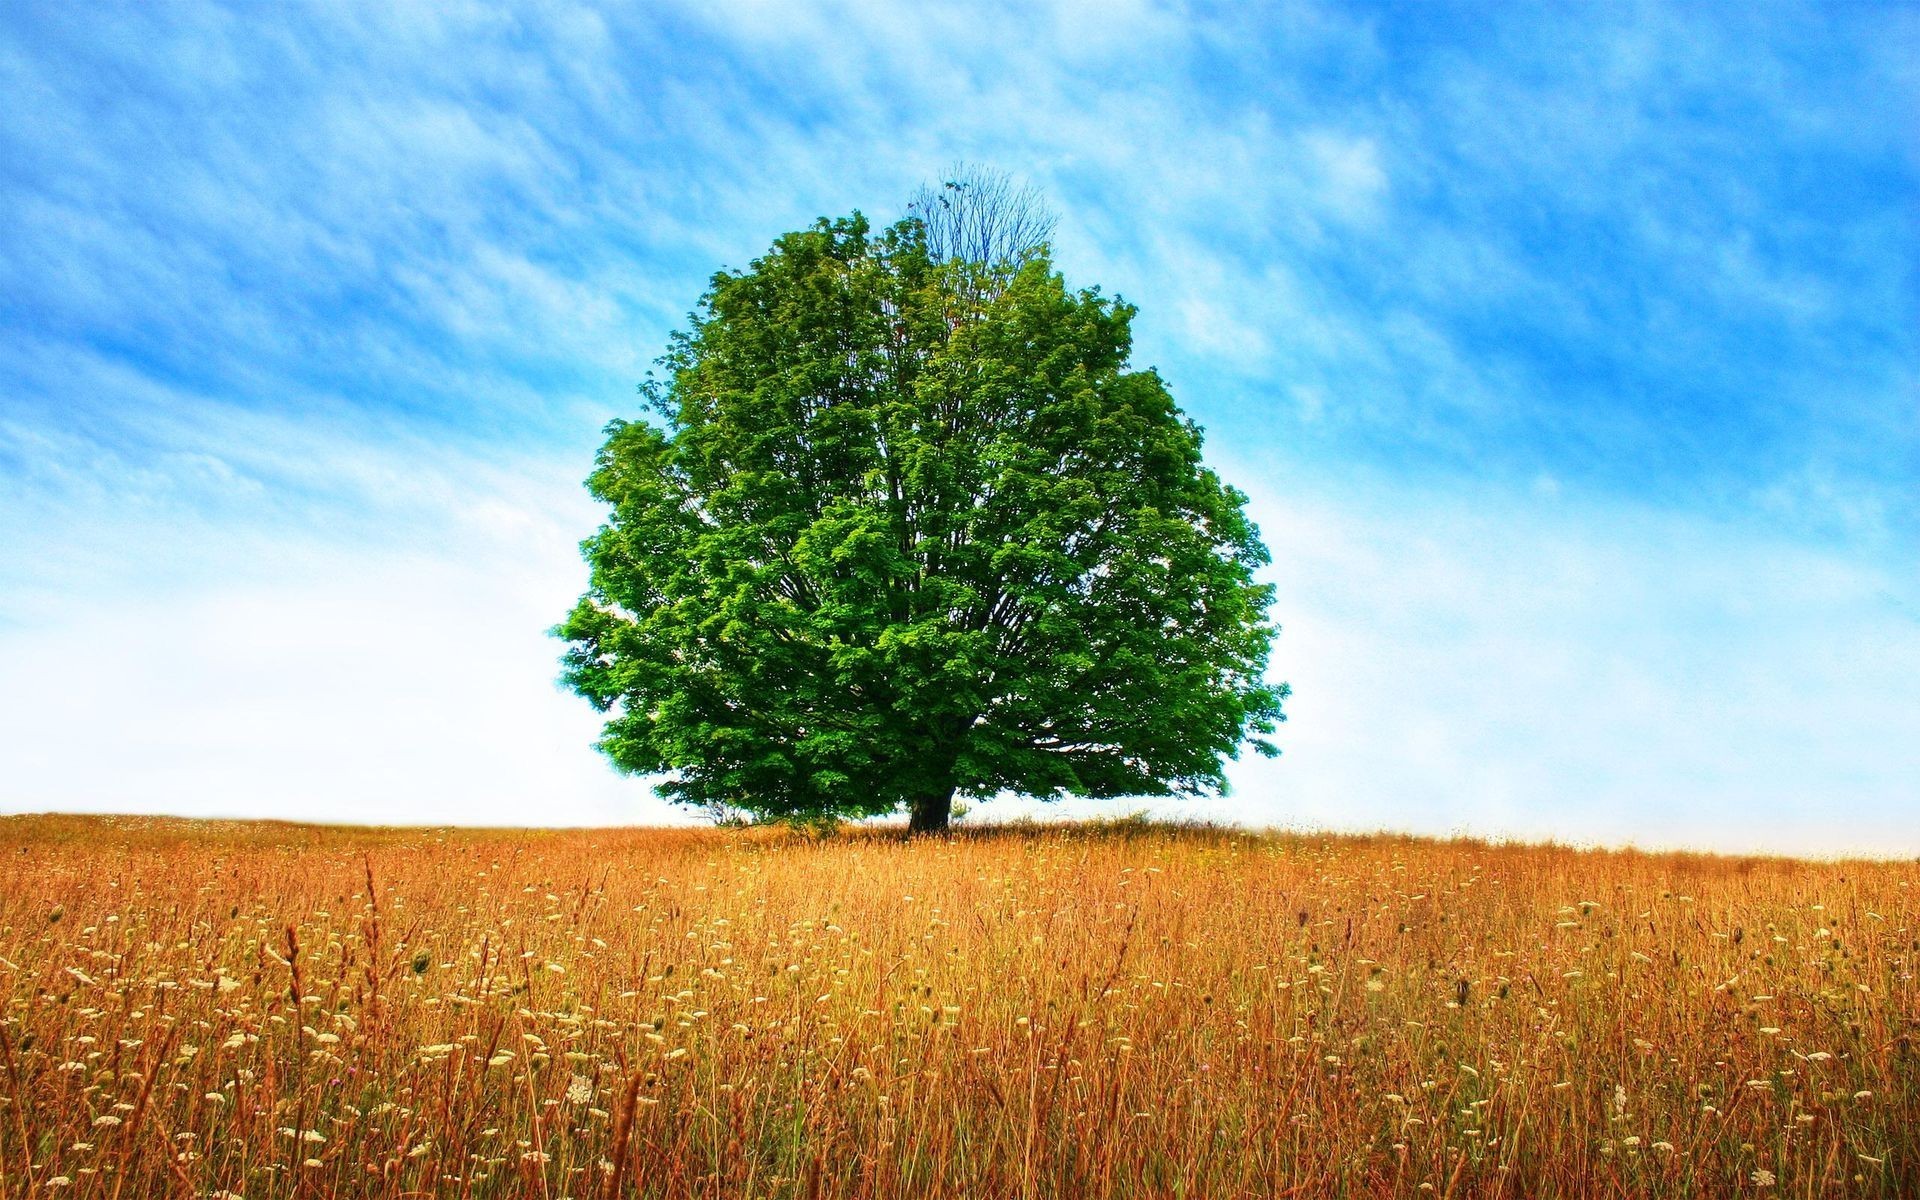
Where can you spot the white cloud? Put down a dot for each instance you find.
(355, 689)
(307, 676)
(1508, 664)
(247, 573)
(1350, 173)
(1488, 664)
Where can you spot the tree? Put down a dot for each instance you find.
(904, 525)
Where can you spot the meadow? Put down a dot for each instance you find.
(258, 1010)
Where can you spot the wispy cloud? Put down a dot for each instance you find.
(1572, 356)
(1609, 672)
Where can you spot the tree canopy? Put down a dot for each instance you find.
(903, 524)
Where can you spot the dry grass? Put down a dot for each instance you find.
(263, 1010)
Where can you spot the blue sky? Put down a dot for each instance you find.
(1569, 357)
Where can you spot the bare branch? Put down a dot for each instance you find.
(981, 216)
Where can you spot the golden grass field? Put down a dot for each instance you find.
(259, 1010)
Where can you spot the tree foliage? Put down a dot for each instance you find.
(904, 525)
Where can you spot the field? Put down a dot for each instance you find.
(257, 1010)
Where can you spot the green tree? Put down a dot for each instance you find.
(905, 526)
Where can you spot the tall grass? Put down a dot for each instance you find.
(258, 1010)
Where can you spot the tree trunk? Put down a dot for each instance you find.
(930, 812)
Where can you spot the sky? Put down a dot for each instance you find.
(1569, 354)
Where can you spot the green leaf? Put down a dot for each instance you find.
(897, 535)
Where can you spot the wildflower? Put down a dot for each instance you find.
(579, 1090)
(1762, 1177)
